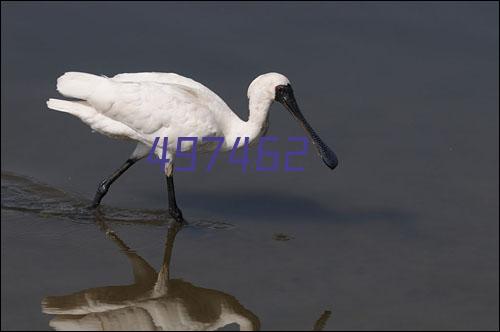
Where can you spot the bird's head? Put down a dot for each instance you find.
(265, 85)
(276, 87)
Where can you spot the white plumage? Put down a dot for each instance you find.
(142, 106)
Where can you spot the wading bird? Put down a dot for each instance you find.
(144, 106)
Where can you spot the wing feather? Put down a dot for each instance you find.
(157, 109)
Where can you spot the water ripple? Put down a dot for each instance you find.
(25, 194)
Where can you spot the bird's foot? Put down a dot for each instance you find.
(176, 214)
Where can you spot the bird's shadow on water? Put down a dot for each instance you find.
(287, 206)
(24, 194)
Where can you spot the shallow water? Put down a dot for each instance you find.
(403, 235)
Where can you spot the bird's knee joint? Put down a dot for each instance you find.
(169, 169)
(103, 187)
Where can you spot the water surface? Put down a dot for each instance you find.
(402, 235)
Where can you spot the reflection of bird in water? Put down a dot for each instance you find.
(152, 302)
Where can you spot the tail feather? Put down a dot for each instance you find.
(97, 93)
(79, 85)
(78, 108)
(94, 119)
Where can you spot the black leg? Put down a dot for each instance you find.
(173, 209)
(106, 183)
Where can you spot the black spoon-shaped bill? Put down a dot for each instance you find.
(284, 95)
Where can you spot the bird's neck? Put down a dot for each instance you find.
(257, 123)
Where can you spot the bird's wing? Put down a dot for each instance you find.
(151, 108)
(172, 78)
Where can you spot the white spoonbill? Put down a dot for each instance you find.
(143, 106)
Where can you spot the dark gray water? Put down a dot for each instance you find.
(403, 235)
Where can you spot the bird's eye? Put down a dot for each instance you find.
(281, 92)
(280, 89)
